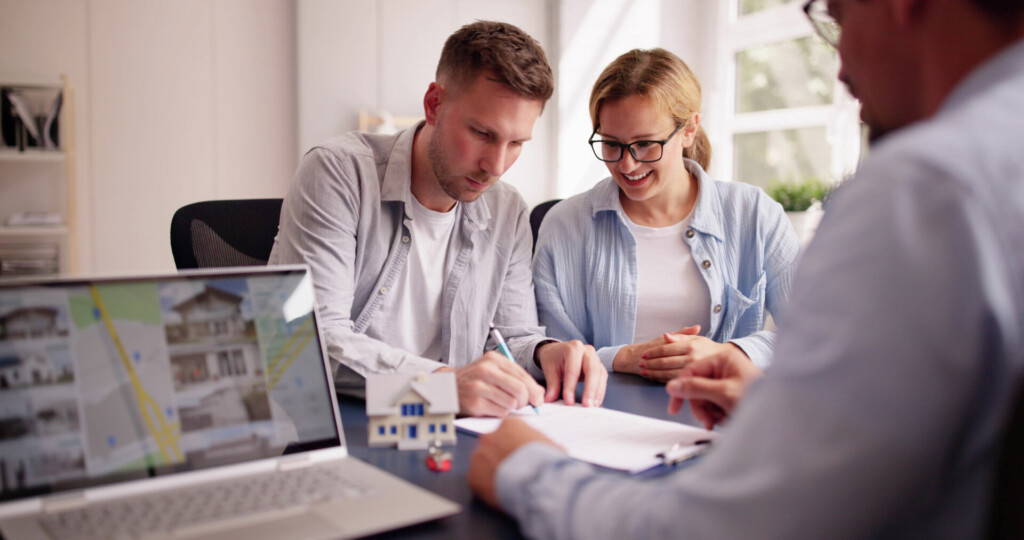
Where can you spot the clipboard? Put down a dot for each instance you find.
(608, 438)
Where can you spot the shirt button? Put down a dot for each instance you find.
(718, 308)
(405, 239)
(689, 233)
(383, 290)
(706, 264)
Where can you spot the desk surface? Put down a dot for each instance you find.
(477, 520)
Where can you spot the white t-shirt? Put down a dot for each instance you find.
(670, 292)
(412, 309)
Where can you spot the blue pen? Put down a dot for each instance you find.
(503, 349)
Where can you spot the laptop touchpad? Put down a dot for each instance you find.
(304, 525)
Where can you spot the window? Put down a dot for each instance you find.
(238, 361)
(432, 428)
(231, 363)
(786, 117)
(444, 428)
(394, 430)
(380, 430)
(747, 7)
(419, 409)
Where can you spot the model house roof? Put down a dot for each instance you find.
(385, 391)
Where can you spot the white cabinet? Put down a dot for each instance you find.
(37, 186)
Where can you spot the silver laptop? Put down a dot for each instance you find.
(193, 405)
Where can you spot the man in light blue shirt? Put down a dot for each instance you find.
(901, 351)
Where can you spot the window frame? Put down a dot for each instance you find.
(736, 33)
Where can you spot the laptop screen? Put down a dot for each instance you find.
(110, 380)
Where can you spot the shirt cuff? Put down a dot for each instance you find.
(518, 473)
(607, 356)
(758, 347)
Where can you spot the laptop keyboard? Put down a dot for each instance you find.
(188, 507)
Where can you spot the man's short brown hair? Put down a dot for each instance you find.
(502, 50)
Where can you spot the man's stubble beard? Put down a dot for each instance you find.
(439, 166)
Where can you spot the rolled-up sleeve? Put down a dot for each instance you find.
(516, 316)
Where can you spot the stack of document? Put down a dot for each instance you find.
(612, 439)
(34, 219)
(28, 260)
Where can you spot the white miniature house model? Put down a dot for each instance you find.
(411, 410)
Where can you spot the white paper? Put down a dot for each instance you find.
(604, 437)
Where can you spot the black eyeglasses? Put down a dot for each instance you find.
(822, 21)
(642, 151)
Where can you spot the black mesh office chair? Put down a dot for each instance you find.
(224, 233)
(537, 216)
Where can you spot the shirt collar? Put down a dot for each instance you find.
(397, 184)
(707, 212)
(1007, 64)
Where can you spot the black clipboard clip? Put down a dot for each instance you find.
(680, 452)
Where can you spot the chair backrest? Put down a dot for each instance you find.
(537, 216)
(1008, 495)
(210, 234)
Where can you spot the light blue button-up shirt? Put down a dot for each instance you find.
(585, 269)
(896, 365)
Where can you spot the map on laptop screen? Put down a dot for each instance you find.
(109, 380)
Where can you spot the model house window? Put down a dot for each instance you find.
(412, 409)
(786, 117)
(380, 430)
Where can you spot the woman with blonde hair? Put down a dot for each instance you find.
(659, 265)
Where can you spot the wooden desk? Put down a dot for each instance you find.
(477, 520)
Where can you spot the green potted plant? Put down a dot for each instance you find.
(802, 203)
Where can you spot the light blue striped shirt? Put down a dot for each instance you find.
(585, 269)
(896, 366)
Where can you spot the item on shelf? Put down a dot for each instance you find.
(51, 132)
(34, 219)
(30, 117)
(29, 259)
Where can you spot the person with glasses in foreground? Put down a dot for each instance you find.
(901, 352)
(660, 265)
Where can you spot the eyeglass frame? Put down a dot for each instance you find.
(825, 27)
(624, 147)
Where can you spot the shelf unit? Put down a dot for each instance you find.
(38, 180)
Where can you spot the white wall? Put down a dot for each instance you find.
(381, 55)
(175, 102)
